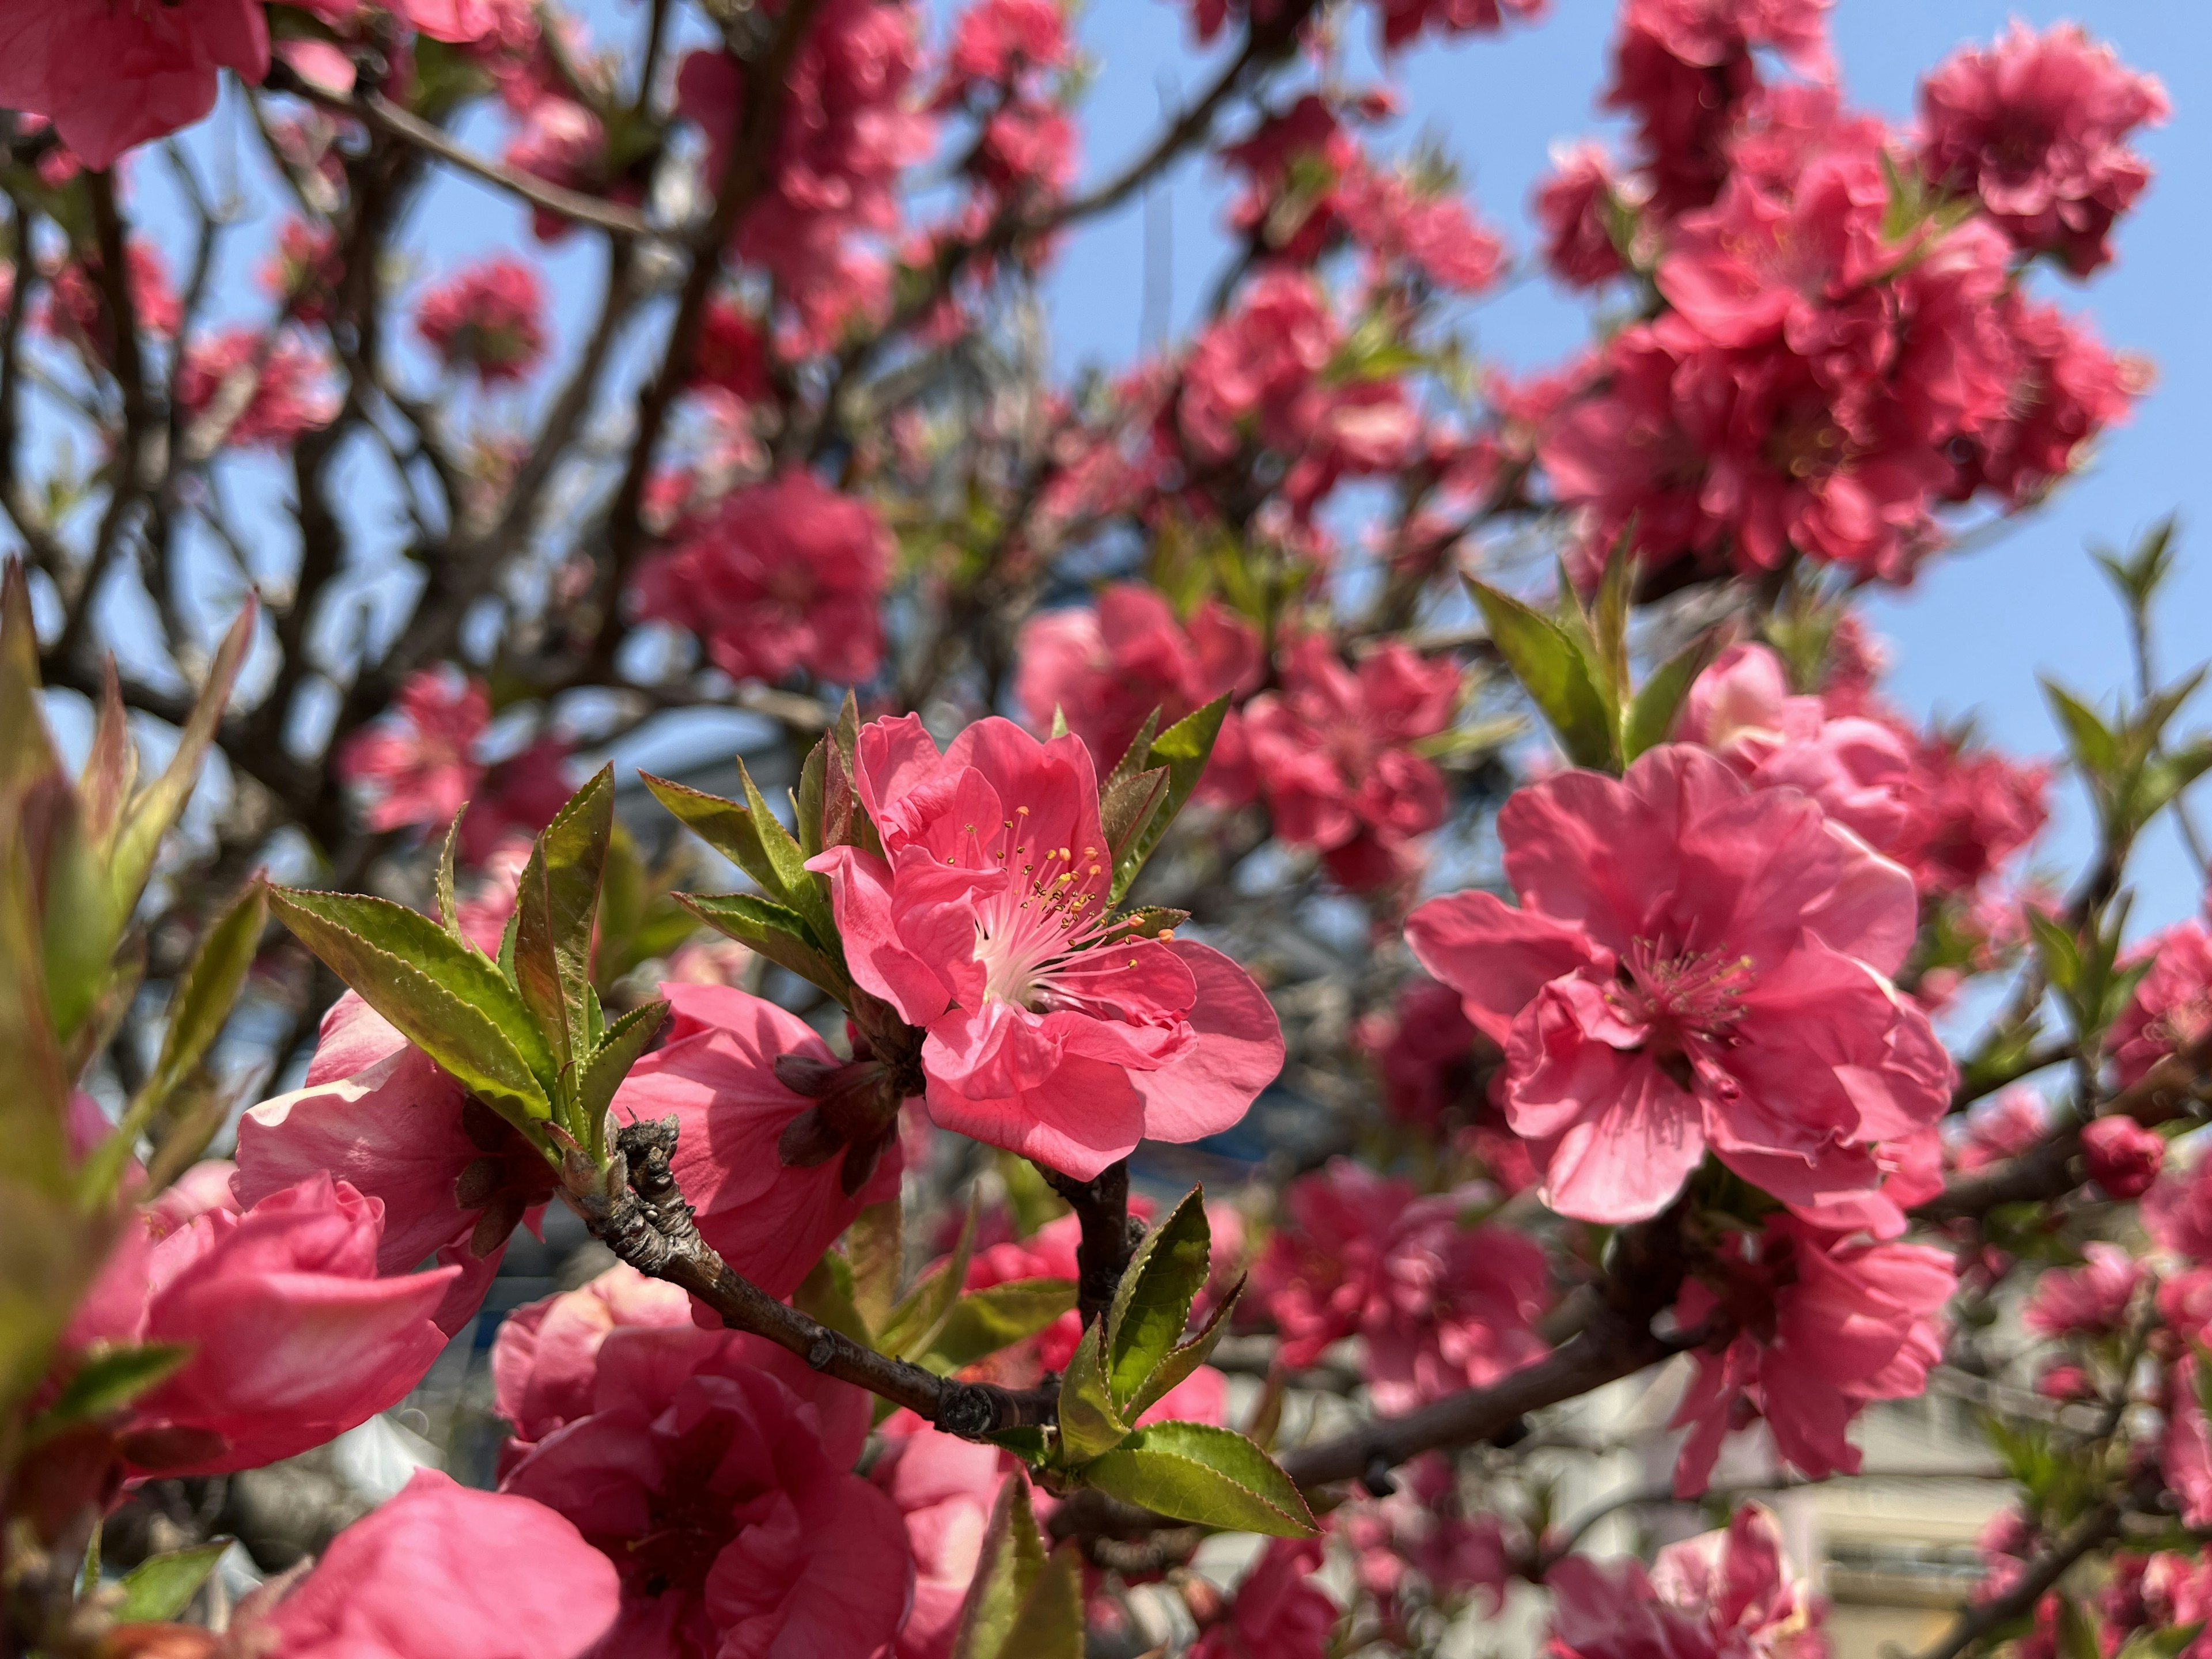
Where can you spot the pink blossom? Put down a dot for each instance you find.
(1279, 1611)
(1334, 753)
(1048, 1253)
(562, 142)
(268, 392)
(505, 1577)
(2122, 1156)
(489, 320)
(1441, 1304)
(2188, 1450)
(996, 40)
(945, 1488)
(295, 1338)
(2070, 389)
(544, 1361)
(2037, 125)
(1051, 1031)
(2004, 1127)
(1419, 1527)
(1726, 1593)
(2171, 1008)
(1694, 965)
(451, 1177)
(419, 768)
(1814, 1326)
(76, 308)
(2177, 1211)
(2091, 1300)
(719, 1073)
(782, 576)
(713, 1468)
(1433, 234)
(1107, 668)
(1574, 204)
(731, 353)
(110, 78)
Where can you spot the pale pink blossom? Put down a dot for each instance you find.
(2090, 1300)
(1727, 1594)
(1051, 1030)
(1694, 966)
(2172, 1007)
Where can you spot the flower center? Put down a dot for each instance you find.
(1048, 910)
(1680, 995)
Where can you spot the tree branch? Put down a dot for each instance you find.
(1109, 1237)
(2099, 1525)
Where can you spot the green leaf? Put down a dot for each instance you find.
(775, 930)
(1184, 749)
(2095, 746)
(2078, 1632)
(1185, 1359)
(806, 800)
(876, 1246)
(2164, 777)
(608, 1064)
(160, 1588)
(554, 906)
(724, 825)
(1555, 674)
(449, 902)
(1137, 757)
(986, 1321)
(441, 996)
(1195, 1472)
(1651, 717)
(1050, 1624)
(1152, 1304)
(108, 1381)
(825, 1295)
(2056, 949)
(1012, 1562)
(798, 886)
(920, 1314)
(1089, 1423)
(110, 765)
(1126, 808)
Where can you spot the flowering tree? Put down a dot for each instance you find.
(1131, 750)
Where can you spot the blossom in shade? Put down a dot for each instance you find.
(1422, 1529)
(452, 1177)
(721, 1074)
(502, 1577)
(112, 77)
(1694, 966)
(2037, 126)
(2122, 1156)
(2172, 1007)
(544, 1360)
(418, 767)
(714, 1470)
(294, 1337)
(1441, 1306)
(731, 353)
(1105, 668)
(780, 576)
(1727, 1593)
(488, 320)
(1334, 753)
(2090, 1300)
(1052, 1028)
(1279, 1611)
(1813, 1325)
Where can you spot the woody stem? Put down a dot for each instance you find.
(1109, 1237)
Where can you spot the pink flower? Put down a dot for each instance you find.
(1694, 966)
(2004, 1127)
(1442, 1305)
(2177, 1211)
(489, 320)
(563, 143)
(1048, 1253)
(1402, 20)
(2171, 1008)
(544, 1361)
(2037, 126)
(112, 77)
(296, 1338)
(270, 391)
(77, 310)
(1106, 669)
(2188, 1451)
(945, 1488)
(731, 353)
(996, 40)
(2070, 389)
(1574, 204)
(1051, 1030)
(442, 1572)
(714, 1470)
(1814, 1325)
(1279, 1611)
(719, 1073)
(782, 576)
(1429, 233)
(2122, 1157)
(420, 767)
(1721, 1594)
(451, 1177)
(1334, 753)
(2091, 1300)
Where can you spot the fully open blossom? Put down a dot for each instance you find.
(784, 576)
(1576, 204)
(2171, 1008)
(714, 1470)
(1815, 1325)
(1726, 1593)
(2176, 1213)
(452, 1177)
(488, 320)
(1108, 666)
(545, 1359)
(268, 392)
(443, 1572)
(1279, 1611)
(1424, 1529)
(2037, 126)
(419, 768)
(1051, 1031)
(1441, 1304)
(2091, 1300)
(294, 1337)
(2187, 1453)
(1694, 966)
(1334, 754)
(719, 1073)
(110, 76)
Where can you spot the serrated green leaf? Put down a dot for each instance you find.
(1012, 1562)
(794, 883)
(1187, 1357)
(724, 825)
(442, 997)
(449, 901)
(1137, 756)
(1183, 748)
(556, 905)
(1126, 807)
(108, 1381)
(1195, 1472)
(807, 800)
(608, 1064)
(159, 1588)
(1152, 1304)
(775, 930)
(1050, 1624)
(1555, 672)
(1089, 1423)
(1658, 704)
(914, 1322)
(983, 1322)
